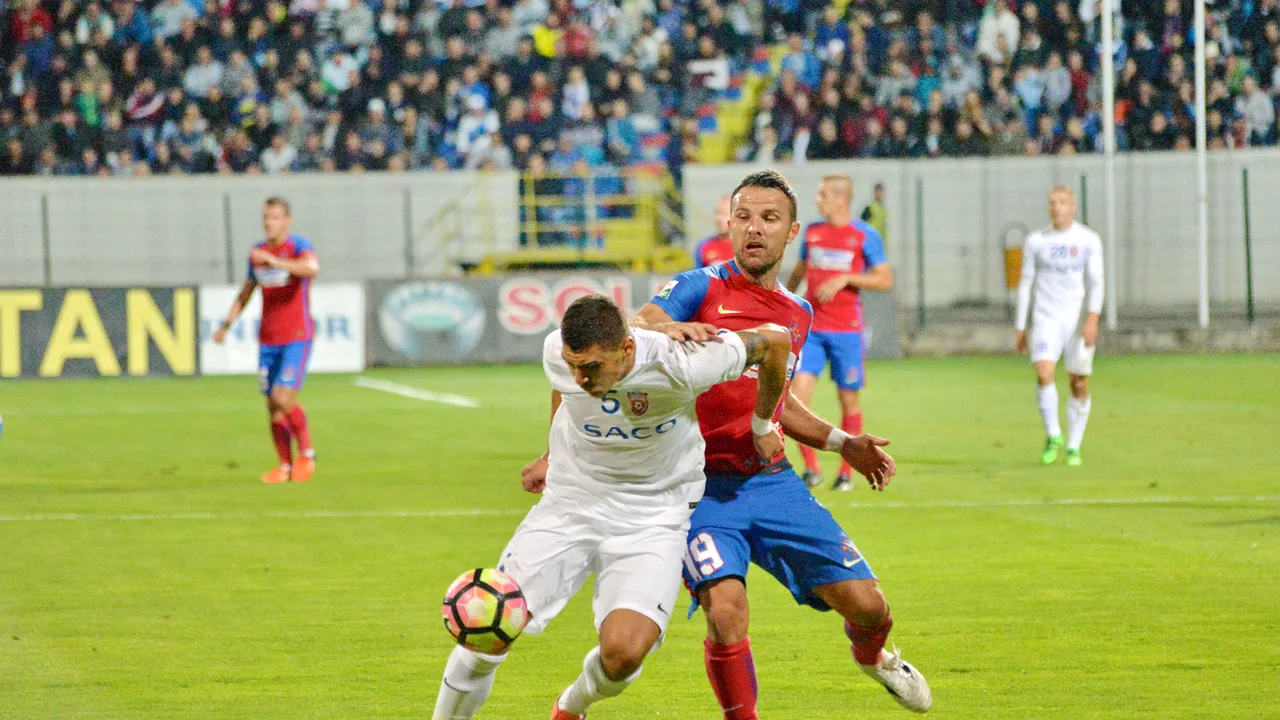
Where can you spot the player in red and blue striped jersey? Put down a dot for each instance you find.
(283, 265)
(760, 512)
(840, 257)
(717, 248)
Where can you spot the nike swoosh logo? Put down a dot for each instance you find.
(730, 312)
(851, 563)
(662, 609)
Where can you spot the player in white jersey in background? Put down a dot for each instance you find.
(622, 475)
(1062, 270)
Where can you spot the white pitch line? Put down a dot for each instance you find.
(283, 515)
(1048, 502)
(481, 512)
(416, 393)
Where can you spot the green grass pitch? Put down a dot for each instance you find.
(145, 572)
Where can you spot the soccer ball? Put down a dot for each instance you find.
(485, 610)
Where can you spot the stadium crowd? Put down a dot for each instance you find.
(122, 87)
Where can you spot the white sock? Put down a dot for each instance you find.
(468, 676)
(1077, 419)
(592, 686)
(1047, 399)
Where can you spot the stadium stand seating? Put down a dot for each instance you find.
(125, 88)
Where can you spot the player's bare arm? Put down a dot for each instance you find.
(1093, 279)
(768, 347)
(306, 266)
(796, 277)
(534, 475)
(652, 317)
(237, 307)
(878, 278)
(1025, 283)
(862, 452)
(1089, 331)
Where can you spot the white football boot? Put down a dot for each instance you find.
(903, 681)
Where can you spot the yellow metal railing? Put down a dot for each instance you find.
(618, 211)
(622, 220)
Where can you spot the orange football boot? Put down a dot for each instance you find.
(278, 475)
(558, 714)
(303, 468)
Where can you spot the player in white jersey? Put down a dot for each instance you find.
(622, 475)
(1062, 269)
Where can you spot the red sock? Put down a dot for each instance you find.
(868, 642)
(851, 424)
(298, 425)
(732, 672)
(281, 437)
(810, 459)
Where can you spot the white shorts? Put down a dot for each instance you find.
(1050, 340)
(558, 546)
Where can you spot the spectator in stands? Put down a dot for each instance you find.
(802, 63)
(1258, 110)
(204, 75)
(998, 32)
(132, 25)
(169, 15)
(666, 61)
(92, 20)
(477, 122)
(279, 157)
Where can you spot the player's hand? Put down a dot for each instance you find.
(534, 475)
(769, 446)
(1021, 342)
(827, 290)
(219, 335)
(1089, 332)
(690, 331)
(262, 257)
(863, 454)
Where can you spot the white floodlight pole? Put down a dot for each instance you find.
(1109, 156)
(1202, 178)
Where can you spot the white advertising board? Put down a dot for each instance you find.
(337, 308)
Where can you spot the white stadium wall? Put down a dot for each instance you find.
(197, 230)
(192, 230)
(972, 208)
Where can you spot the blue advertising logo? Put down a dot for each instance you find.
(420, 319)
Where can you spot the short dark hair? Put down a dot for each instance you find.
(770, 179)
(280, 203)
(590, 321)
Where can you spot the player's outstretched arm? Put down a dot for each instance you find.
(862, 452)
(237, 307)
(652, 317)
(769, 348)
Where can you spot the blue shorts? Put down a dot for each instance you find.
(283, 365)
(774, 521)
(843, 349)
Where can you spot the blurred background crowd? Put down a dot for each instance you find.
(123, 87)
